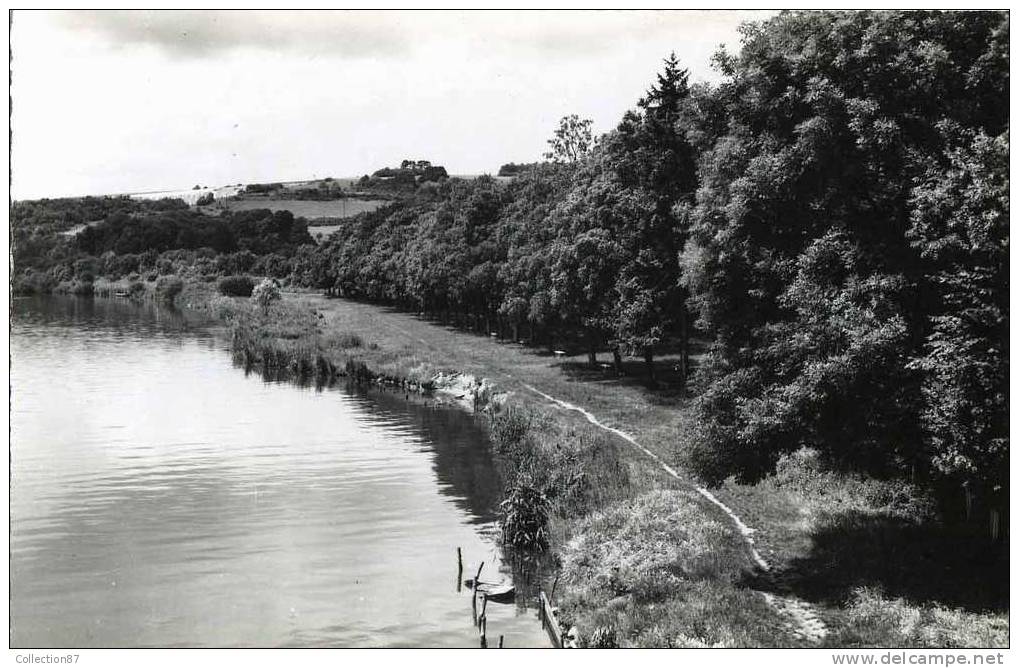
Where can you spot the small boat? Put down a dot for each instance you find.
(498, 593)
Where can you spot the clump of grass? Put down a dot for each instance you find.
(525, 518)
(656, 571)
(645, 546)
(874, 620)
(805, 474)
(345, 341)
(577, 469)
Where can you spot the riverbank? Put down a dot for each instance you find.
(648, 560)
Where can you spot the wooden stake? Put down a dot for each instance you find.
(500, 642)
(459, 570)
(478, 576)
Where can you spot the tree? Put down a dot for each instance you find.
(267, 293)
(960, 227)
(653, 165)
(572, 140)
(805, 261)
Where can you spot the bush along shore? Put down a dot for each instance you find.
(636, 557)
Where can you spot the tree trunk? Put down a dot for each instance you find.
(617, 360)
(684, 344)
(649, 363)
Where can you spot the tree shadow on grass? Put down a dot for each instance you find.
(668, 386)
(956, 567)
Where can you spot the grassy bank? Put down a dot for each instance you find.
(643, 560)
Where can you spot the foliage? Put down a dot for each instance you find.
(874, 620)
(267, 293)
(236, 286)
(525, 518)
(513, 169)
(960, 227)
(572, 140)
(259, 231)
(814, 253)
(168, 287)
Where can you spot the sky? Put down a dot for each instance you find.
(131, 101)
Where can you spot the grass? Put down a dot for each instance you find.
(868, 555)
(655, 572)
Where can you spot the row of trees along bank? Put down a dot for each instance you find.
(832, 217)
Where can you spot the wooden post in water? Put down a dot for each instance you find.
(500, 642)
(459, 570)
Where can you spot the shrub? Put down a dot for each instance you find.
(236, 286)
(348, 340)
(82, 288)
(168, 287)
(525, 518)
(267, 293)
(509, 431)
(603, 638)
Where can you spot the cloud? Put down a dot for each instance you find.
(375, 34)
(201, 33)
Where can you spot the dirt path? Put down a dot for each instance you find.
(744, 530)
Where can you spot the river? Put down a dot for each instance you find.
(161, 496)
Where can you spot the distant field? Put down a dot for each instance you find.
(340, 208)
(323, 231)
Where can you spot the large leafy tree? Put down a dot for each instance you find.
(960, 228)
(800, 262)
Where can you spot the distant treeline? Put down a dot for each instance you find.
(62, 214)
(259, 231)
(833, 216)
(147, 241)
(513, 169)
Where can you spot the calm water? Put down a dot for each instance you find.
(161, 496)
